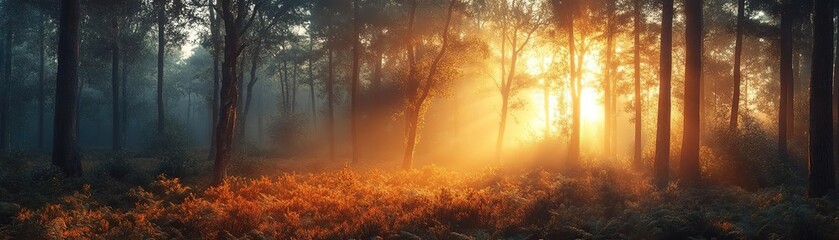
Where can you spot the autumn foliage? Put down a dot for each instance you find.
(433, 203)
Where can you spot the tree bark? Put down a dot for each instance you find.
(637, 158)
(574, 143)
(251, 83)
(215, 105)
(662, 144)
(738, 52)
(312, 85)
(161, 48)
(115, 96)
(41, 81)
(234, 27)
(822, 172)
(354, 104)
(689, 164)
(330, 106)
(786, 76)
(417, 99)
(124, 108)
(65, 146)
(7, 85)
(607, 79)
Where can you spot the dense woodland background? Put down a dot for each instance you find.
(419, 119)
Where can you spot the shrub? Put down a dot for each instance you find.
(288, 131)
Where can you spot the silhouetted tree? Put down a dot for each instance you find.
(662, 143)
(822, 171)
(65, 146)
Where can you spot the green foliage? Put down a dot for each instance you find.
(749, 158)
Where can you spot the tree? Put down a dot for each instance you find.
(354, 92)
(161, 49)
(568, 9)
(235, 26)
(689, 164)
(65, 145)
(822, 172)
(636, 57)
(784, 113)
(519, 20)
(168, 13)
(662, 143)
(738, 53)
(417, 94)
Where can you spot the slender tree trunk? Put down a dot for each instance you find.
(65, 153)
(215, 105)
(547, 108)
(249, 97)
(330, 106)
(662, 145)
(123, 94)
(115, 85)
(738, 53)
(161, 48)
(786, 76)
(41, 81)
(574, 143)
(354, 108)
(607, 79)
(506, 91)
(188, 110)
(836, 87)
(822, 172)
(689, 165)
(636, 9)
(312, 86)
(7, 85)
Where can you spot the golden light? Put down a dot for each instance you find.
(591, 114)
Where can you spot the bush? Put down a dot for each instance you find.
(289, 132)
(171, 142)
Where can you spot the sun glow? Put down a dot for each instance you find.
(559, 109)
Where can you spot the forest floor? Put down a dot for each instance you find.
(125, 196)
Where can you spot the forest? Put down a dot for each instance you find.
(419, 119)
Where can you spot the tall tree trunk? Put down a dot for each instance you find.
(161, 48)
(123, 94)
(418, 99)
(574, 143)
(312, 85)
(689, 164)
(822, 172)
(65, 153)
(234, 27)
(786, 75)
(662, 142)
(330, 106)
(115, 84)
(7, 85)
(251, 83)
(636, 9)
(41, 81)
(506, 92)
(607, 79)
(215, 105)
(738, 53)
(836, 86)
(354, 104)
